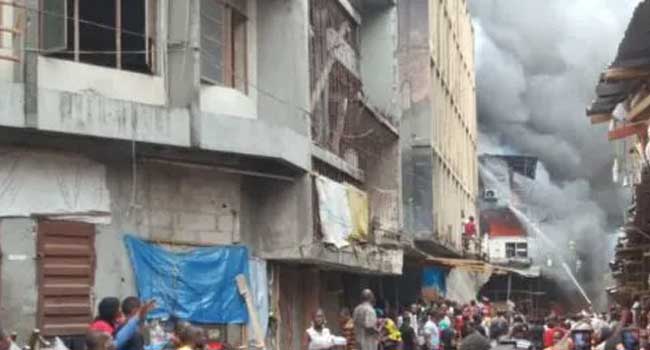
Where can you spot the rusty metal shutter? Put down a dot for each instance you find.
(66, 271)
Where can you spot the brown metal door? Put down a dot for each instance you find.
(66, 274)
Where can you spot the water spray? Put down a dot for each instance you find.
(490, 177)
(575, 281)
(529, 223)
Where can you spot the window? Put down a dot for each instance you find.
(111, 33)
(522, 250)
(223, 43)
(516, 250)
(510, 250)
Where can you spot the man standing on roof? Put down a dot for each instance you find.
(469, 233)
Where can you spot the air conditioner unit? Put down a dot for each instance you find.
(490, 195)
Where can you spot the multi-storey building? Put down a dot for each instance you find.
(197, 123)
(439, 121)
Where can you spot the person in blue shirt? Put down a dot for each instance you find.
(130, 308)
(97, 339)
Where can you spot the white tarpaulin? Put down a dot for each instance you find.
(53, 185)
(463, 285)
(260, 290)
(334, 211)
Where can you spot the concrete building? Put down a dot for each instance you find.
(194, 123)
(439, 125)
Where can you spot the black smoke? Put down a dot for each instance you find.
(537, 66)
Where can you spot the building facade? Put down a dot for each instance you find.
(506, 183)
(197, 123)
(439, 121)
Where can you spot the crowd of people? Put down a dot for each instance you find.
(446, 325)
(442, 325)
(120, 326)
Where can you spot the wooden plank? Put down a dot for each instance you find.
(66, 266)
(638, 109)
(67, 269)
(352, 12)
(627, 130)
(625, 73)
(65, 309)
(323, 78)
(600, 118)
(242, 286)
(67, 228)
(66, 329)
(65, 290)
(56, 249)
(66, 326)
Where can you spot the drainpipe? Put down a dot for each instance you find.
(29, 73)
(195, 47)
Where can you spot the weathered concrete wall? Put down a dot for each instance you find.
(220, 100)
(11, 105)
(256, 137)
(417, 176)
(183, 74)
(171, 203)
(279, 221)
(454, 131)
(283, 71)
(96, 115)
(76, 77)
(416, 123)
(379, 68)
(19, 292)
(437, 80)
(7, 49)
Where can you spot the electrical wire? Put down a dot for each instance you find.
(303, 112)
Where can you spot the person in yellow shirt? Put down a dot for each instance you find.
(391, 338)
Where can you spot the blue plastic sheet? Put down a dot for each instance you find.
(197, 285)
(434, 278)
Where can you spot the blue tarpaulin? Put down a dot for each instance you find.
(196, 285)
(434, 278)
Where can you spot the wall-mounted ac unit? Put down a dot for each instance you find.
(490, 195)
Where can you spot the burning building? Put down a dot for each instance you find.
(506, 239)
(511, 221)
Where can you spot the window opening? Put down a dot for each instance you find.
(109, 33)
(223, 43)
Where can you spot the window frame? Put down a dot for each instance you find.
(151, 47)
(521, 247)
(235, 17)
(511, 247)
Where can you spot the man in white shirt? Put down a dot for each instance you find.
(432, 332)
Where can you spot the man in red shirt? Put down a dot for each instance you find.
(550, 333)
(470, 228)
(469, 233)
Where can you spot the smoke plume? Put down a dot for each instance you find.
(537, 66)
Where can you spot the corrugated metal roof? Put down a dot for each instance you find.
(633, 53)
(634, 49)
(609, 94)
